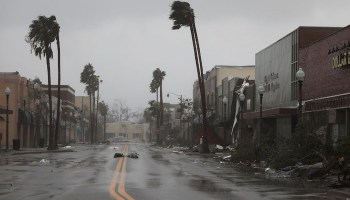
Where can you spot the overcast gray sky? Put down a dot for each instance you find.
(126, 40)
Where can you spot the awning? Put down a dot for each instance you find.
(276, 112)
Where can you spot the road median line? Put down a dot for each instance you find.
(121, 188)
(113, 184)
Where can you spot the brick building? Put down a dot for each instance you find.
(326, 88)
(276, 68)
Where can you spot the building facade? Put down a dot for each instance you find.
(276, 68)
(126, 130)
(326, 88)
(27, 118)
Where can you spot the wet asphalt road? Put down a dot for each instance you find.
(91, 172)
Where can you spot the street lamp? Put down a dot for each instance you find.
(65, 127)
(70, 125)
(37, 103)
(224, 101)
(300, 77)
(241, 98)
(7, 93)
(261, 90)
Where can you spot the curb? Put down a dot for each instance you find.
(336, 194)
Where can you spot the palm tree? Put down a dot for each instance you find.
(41, 34)
(182, 14)
(157, 82)
(103, 111)
(152, 112)
(57, 30)
(90, 80)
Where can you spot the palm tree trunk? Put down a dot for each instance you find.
(201, 84)
(161, 135)
(91, 134)
(158, 121)
(93, 117)
(50, 147)
(161, 102)
(96, 120)
(104, 128)
(202, 90)
(58, 124)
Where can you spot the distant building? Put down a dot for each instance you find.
(125, 130)
(220, 82)
(214, 78)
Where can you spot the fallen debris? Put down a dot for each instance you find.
(133, 155)
(114, 148)
(44, 161)
(118, 155)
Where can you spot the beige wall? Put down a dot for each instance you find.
(16, 83)
(85, 100)
(240, 72)
(126, 130)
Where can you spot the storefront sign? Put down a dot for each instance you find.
(271, 83)
(342, 59)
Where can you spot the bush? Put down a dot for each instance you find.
(244, 151)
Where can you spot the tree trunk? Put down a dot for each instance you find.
(161, 102)
(96, 120)
(50, 147)
(93, 117)
(201, 84)
(104, 128)
(158, 121)
(58, 124)
(91, 134)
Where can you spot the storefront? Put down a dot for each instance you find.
(326, 89)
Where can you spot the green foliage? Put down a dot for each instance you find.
(42, 32)
(181, 14)
(88, 77)
(244, 150)
(103, 108)
(343, 146)
(158, 77)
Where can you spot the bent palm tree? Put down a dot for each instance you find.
(57, 30)
(182, 14)
(41, 35)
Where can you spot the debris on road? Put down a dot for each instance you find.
(114, 148)
(44, 161)
(118, 155)
(133, 155)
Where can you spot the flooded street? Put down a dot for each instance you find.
(90, 172)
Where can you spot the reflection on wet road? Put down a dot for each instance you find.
(91, 172)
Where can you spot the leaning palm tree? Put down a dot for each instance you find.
(41, 34)
(57, 30)
(182, 14)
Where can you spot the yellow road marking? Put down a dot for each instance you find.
(121, 189)
(115, 179)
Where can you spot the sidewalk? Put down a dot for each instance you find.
(35, 151)
(341, 193)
